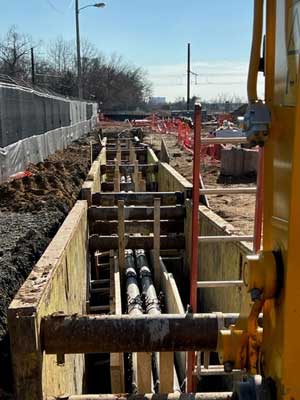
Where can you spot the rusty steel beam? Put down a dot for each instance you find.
(79, 334)
(105, 243)
(150, 396)
(142, 227)
(137, 198)
(137, 213)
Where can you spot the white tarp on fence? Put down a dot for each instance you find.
(16, 157)
(34, 125)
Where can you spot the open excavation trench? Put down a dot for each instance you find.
(105, 308)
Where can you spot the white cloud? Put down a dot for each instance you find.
(214, 78)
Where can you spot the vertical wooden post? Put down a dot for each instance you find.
(131, 152)
(91, 151)
(206, 359)
(142, 183)
(121, 235)
(116, 359)
(136, 176)
(156, 242)
(119, 152)
(166, 372)
(117, 187)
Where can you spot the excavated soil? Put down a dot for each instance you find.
(236, 209)
(31, 211)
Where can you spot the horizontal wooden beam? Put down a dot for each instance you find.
(102, 243)
(224, 140)
(219, 284)
(129, 168)
(126, 152)
(232, 190)
(227, 238)
(79, 334)
(142, 227)
(137, 213)
(138, 198)
(109, 186)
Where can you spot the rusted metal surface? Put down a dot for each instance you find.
(150, 396)
(195, 232)
(137, 213)
(110, 333)
(103, 243)
(138, 198)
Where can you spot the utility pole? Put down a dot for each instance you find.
(79, 76)
(188, 77)
(32, 67)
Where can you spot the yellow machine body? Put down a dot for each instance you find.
(280, 353)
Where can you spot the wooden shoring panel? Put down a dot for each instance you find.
(137, 198)
(173, 305)
(109, 186)
(117, 176)
(135, 176)
(142, 182)
(101, 243)
(121, 235)
(145, 168)
(156, 244)
(117, 373)
(164, 153)
(137, 213)
(144, 227)
(141, 363)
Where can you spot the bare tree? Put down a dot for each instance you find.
(60, 55)
(14, 54)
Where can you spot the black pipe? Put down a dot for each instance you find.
(148, 289)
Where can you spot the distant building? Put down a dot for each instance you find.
(155, 101)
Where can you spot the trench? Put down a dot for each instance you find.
(125, 175)
(123, 252)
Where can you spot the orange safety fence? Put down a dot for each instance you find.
(185, 136)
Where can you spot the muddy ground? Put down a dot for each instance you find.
(31, 211)
(238, 210)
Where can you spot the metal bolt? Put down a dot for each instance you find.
(228, 366)
(255, 294)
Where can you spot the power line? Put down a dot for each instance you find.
(54, 7)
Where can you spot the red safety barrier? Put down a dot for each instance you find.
(185, 136)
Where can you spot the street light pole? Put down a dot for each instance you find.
(79, 76)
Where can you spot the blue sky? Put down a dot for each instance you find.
(154, 34)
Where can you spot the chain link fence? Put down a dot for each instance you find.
(35, 124)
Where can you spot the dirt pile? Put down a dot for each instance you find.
(31, 211)
(56, 182)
